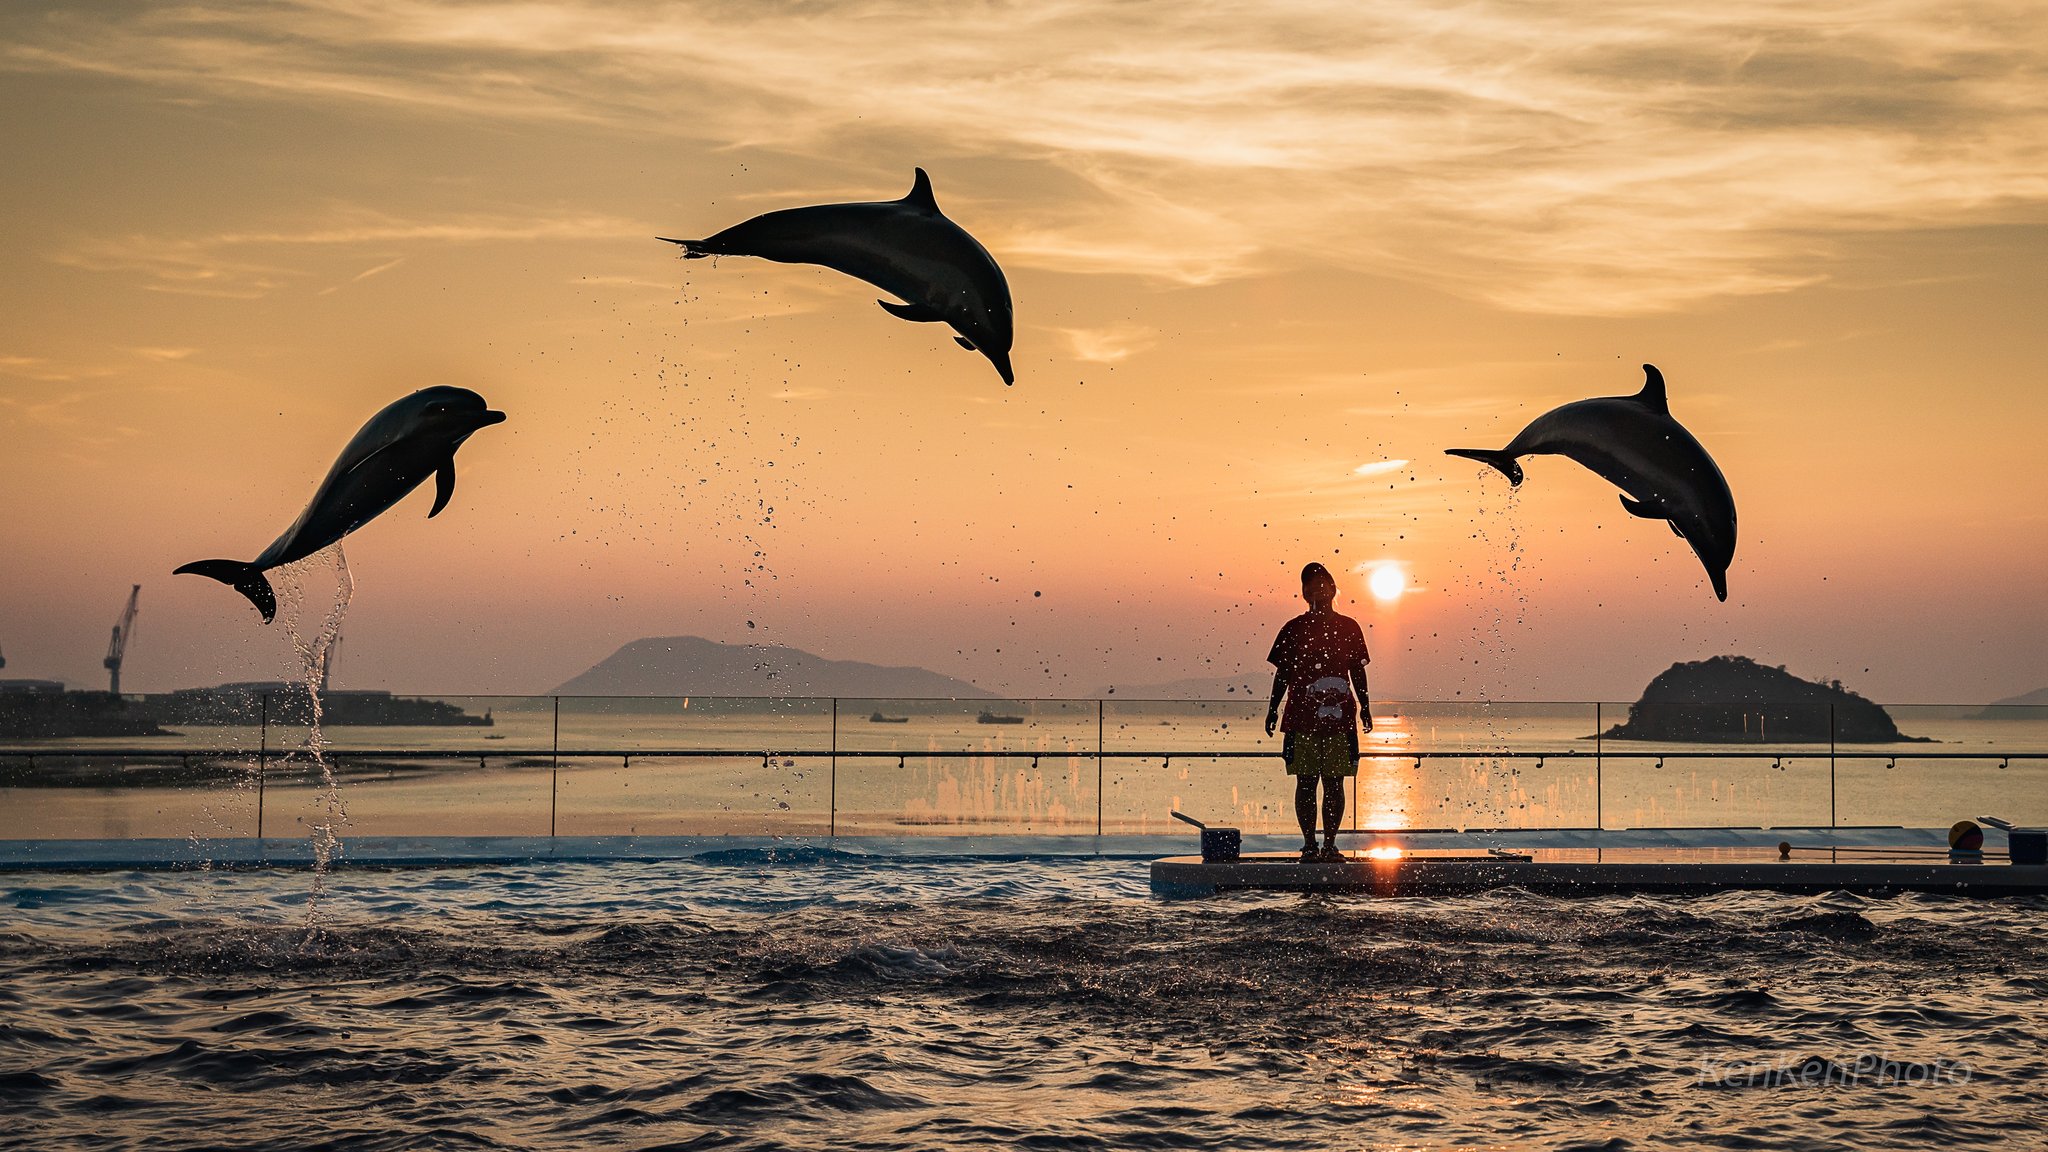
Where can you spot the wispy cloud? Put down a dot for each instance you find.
(46, 371)
(1379, 467)
(365, 274)
(1548, 156)
(246, 265)
(166, 354)
(1110, 345)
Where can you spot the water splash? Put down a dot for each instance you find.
(314, 651)
(1499, 589)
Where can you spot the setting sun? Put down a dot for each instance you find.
(1387, 582)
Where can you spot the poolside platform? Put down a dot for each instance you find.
(1666, 870)
(1561, 860)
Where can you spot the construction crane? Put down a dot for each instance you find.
(124, 630)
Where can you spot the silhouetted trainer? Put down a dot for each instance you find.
(1319, 662)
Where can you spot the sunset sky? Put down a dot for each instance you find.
(1269, 260)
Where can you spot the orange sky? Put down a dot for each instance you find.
(1253, 248)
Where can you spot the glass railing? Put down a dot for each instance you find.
(237, 764)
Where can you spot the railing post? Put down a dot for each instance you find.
(1599, 765)
(832, 792)
(555, 768)
(1098, 767)
(1831, 764)
(262, 765)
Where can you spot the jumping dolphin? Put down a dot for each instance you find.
(411, 439)
(905, 246)
(1633, 442)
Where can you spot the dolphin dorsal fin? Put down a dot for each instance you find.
(920, 194)
(1652, 395)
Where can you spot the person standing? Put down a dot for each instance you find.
(1319, 662)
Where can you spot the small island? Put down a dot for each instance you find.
(1733, 699)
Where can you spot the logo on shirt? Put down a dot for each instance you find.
(1328, 696)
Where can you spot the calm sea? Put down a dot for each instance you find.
(933, 768)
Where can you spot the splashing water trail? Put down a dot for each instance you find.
(1499, 586)
(313, 652)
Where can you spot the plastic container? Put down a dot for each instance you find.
(2027, 845)
(1221, 844)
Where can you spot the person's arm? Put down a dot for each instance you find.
(1358, 685)
(1273, 705)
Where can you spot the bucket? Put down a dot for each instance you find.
(2026, 845)
(1220, 844)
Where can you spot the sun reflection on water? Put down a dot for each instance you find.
(1386, 782)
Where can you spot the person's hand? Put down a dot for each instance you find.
(1365, 713)
(1272, 720)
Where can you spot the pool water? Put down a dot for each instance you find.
(803, 998)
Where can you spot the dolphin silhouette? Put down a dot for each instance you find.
(1633, 442)
(411, 439)
(905, 246)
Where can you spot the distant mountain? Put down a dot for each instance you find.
(1193, 688)
(2035, 699)
(2015, 707)
(694, 666)
(1733, 699)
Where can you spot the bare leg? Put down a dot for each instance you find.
(1333, 809)
(1305, 808)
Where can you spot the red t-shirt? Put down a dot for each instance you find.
(1315, 654)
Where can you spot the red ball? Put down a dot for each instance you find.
(1966, 837)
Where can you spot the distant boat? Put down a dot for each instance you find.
(992, 718)
(878, 718)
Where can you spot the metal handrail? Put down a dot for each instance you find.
(264, 755)
(331, 753)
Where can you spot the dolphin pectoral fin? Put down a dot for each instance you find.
(1649, 511)
(920, 194)
(1501, 460)
(915, 313)
(444, 486)
(964, 342)
(244, 578)
(1643, 508)
(1652, 395)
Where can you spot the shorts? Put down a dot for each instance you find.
(1321, 754)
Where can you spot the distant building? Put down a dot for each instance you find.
(14, 686)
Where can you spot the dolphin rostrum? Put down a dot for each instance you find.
(906, 247)
(411, 439)
(1633, 442)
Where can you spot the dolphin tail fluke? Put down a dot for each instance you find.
(692, 249)
(247, 579)
(1501, 460)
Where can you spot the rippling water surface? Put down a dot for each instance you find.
(805, 999)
